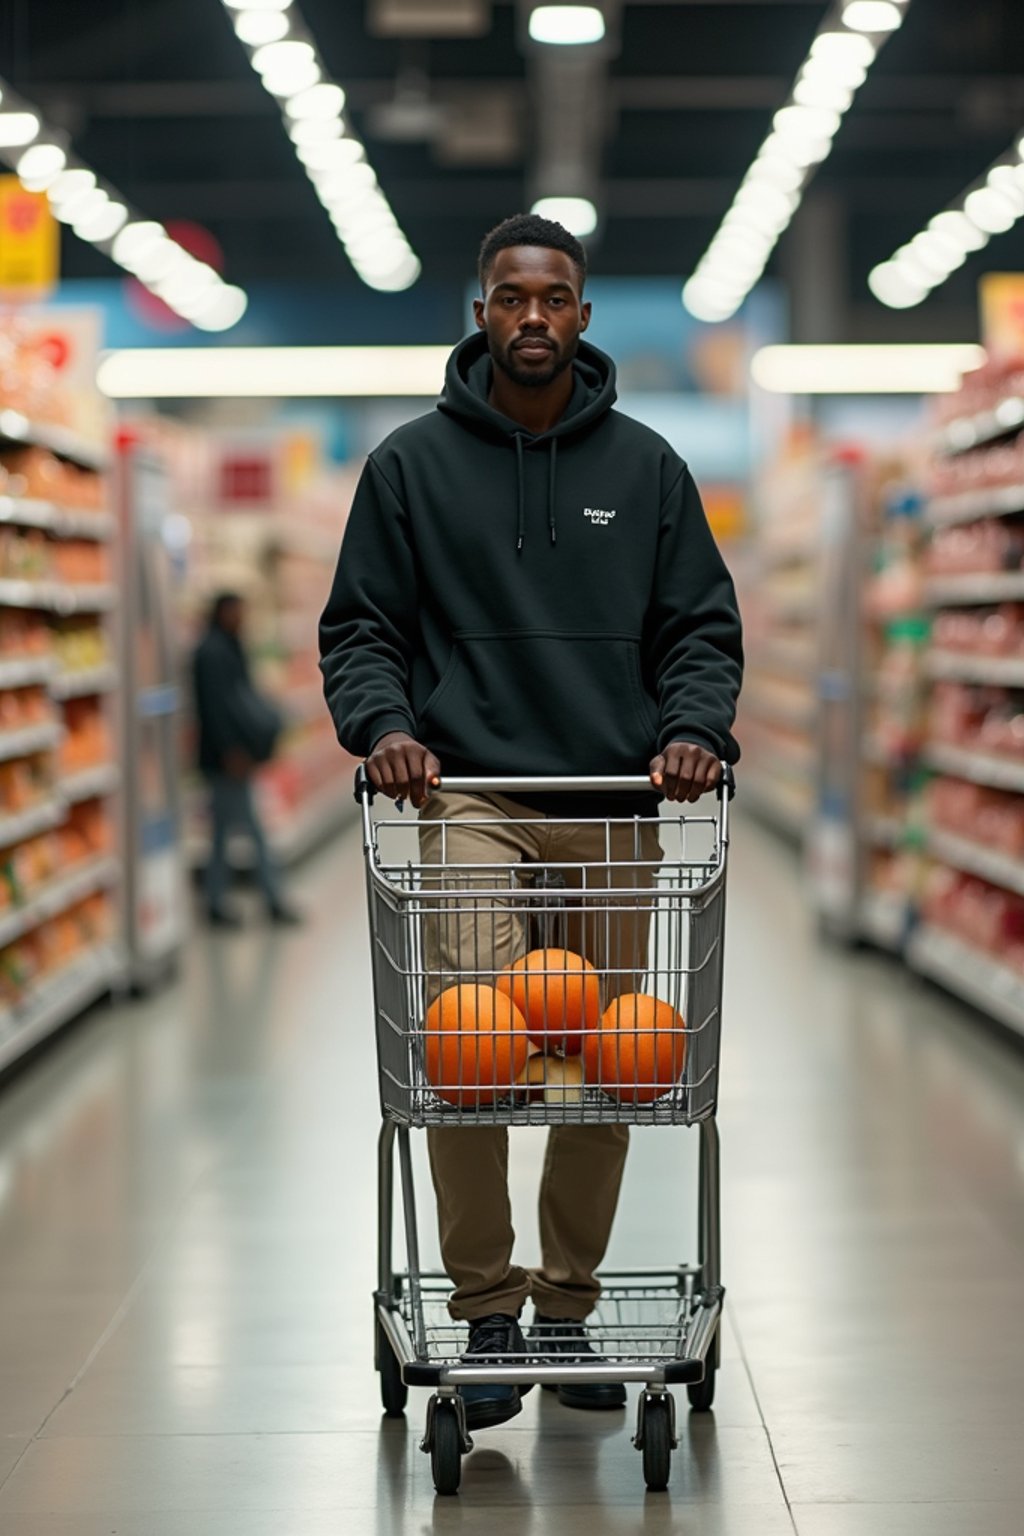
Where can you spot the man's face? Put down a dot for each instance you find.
(232, 618)
(533, 313)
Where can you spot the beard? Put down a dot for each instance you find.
(539, 374)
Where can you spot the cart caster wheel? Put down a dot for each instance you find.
(657, 1446)
(656, 1436)
(394, 1394)
(702, 1393)
(446, 1449)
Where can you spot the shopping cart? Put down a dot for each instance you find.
(657, 1328)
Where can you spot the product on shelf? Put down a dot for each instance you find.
(24, 707)
(978, 718)
(980, 914)
(985, 546)
(993, 818)
(87, 743)
(23, 635)
(25, 782)
(88, 833)
(80, 645)
(29, 380)
(36, 474)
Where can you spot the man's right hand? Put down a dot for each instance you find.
(402, 769)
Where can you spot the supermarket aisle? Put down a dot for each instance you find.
(186, 1261)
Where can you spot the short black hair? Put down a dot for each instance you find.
(530, 229)
(220, 602)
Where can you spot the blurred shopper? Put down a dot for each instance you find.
(528, 586)
(238, 730)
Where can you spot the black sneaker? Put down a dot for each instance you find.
(491, 1340)
(286, 917)
(223, 917)
(566, 1339)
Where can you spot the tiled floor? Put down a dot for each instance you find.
(186, 1259)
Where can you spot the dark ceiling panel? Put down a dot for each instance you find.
(160, 98)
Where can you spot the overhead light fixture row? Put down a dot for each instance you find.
(205, 373)
(801, 139)
(903, 369)
(282, 52)
(43, 162)
(990, 206)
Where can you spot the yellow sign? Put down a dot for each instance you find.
(1002, 314)
(29, 242)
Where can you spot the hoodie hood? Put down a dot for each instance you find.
(468, 379)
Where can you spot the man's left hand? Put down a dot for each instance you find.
(685, 771)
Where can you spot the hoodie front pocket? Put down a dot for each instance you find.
(541, 702)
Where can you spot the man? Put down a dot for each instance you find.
(528, 586)
(238, 729)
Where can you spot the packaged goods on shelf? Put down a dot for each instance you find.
(59, 870)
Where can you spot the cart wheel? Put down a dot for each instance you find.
(702, 1393)
(657, 1446)
(446, 1449)
(394, 1393)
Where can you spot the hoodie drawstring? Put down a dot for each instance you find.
(520, 475)
(521, 491)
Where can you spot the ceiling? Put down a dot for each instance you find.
(160, 99)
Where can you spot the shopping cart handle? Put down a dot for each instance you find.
(364, 789)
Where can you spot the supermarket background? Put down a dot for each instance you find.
(237, 242)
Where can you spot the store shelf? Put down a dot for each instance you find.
(977, 587)
(19, 430)
(798, 717)
(57, 597)
(26, 671)
(33, 738)
(993, 501)
(972, 431)
(56, 1001)
(969, 973)
(84, 684)
(765, 798)
(90, 783)
(978, 767)
(65, 522)
(975, 859)
(41, 818)
(883, 919)
(884, 831)
(325, 813)
(99, 875)
(999, 671)
(788, 661)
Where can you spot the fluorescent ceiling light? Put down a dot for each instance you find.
(258, 27)
(844, 46)
(872, 15)
(577, 214)
(258, 5)
(895, 286)
(312, 108)
(566, 25)
(324, 100)
(988, 208)
(69, 185)
(18, 128)
(195, 373)
(865, 370)
(221, 309)
(40, 165)
(95, 213)
(314, 130)
(102, 225)
(802, 133)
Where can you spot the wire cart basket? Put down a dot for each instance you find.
(649, 905)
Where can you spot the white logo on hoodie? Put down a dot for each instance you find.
(600, 517)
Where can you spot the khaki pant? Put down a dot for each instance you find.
(583, 1164)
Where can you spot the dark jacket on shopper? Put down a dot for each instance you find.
(536, 605)
(232, 715)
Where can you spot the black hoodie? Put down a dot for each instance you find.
(530, 604)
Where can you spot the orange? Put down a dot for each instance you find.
(637, 1051)
(476, 1045)
(559, 995)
